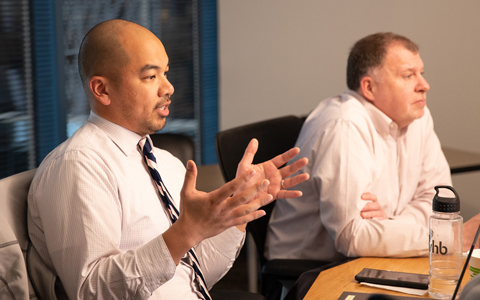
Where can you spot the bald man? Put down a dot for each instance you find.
(95, 215)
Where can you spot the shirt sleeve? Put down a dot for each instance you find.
(345, 170)
(80, 211)
(217, 254)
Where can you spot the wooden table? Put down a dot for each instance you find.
(331, 283)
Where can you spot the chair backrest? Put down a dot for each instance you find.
(180, 145)
(275, 136)
(36, 280)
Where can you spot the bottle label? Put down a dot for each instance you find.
(438, 249)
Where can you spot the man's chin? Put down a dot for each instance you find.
(159, 126)
(154, 126)
(418, 114)
(421, 112)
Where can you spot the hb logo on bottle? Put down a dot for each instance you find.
(438, 249)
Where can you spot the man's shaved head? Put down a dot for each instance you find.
(102, 53)
(124, 69)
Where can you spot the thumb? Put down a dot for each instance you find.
(190, 181)
(248, 156)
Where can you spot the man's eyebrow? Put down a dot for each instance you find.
(407, 68)
(152, 67)
(149, 67)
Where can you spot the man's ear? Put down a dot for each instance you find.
(367, 88)
(98, 87)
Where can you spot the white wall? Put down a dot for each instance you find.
(283, 57)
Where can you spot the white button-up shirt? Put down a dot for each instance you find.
(96, 220)
(354, 148)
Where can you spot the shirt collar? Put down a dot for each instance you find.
(383, 124)
(125, 139)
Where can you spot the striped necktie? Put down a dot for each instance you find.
(149, 159)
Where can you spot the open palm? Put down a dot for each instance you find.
(270, 170)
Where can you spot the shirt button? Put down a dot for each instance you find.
(163, 280)
(392, 125)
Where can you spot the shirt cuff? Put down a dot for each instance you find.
(156, 263)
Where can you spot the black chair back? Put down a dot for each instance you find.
(180, 145)
(275, 136)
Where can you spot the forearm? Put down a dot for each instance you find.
(386, 238)
(134, 274)
(130, 275)
(402, 235)
(417, 211)
(178, 247)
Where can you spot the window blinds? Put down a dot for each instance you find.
(17, 145)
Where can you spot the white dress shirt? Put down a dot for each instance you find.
(96, 220)
(354, 148)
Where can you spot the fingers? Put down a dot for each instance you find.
(373, 215)
(249, 212)
(230, 187)
(282, 194)
(248, 218)
(244, 206)
(372, 209)
(290, 182)
(281, 159)
(294, 167)
(379, 215)
(244, 197)
(369, 197)
(293, 181)
(371, 206)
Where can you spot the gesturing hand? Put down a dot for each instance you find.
(372, 209)
(203, 215)
(270, 170)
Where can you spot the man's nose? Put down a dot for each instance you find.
(166, 88)
(422, 85)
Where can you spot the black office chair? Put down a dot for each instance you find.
(275, 136)
(180, 145)
(183, 147)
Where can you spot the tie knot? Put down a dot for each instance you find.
(144, 145)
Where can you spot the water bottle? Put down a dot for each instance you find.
(445, 245)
